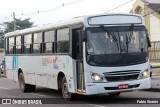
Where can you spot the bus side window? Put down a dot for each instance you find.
(49, 41)
(37, 42)
(11, 45)
(75, 44)
(62, 41)
(27, 44)
(18, 45)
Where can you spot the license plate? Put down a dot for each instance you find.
(123, 86)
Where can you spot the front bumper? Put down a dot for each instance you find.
(108, 87)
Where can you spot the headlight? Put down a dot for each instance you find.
(96, 77)
(144, 74)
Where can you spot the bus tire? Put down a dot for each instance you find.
(114, 94)
(32, 88)
(22, 85)
(65, 92)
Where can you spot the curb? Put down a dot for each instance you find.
(2, 76)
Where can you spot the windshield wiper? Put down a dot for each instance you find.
(129, 36)
(131, 33)
(111, 35)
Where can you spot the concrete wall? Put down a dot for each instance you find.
(154, 28)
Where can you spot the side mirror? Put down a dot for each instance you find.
(148, 40)
(149, 43)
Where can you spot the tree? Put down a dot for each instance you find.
(1, 39)
(9, 27)
(20, 24)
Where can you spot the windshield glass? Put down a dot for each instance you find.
(116, 42)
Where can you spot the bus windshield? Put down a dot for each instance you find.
(116, 45)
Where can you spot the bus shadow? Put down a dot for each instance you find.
(106, 99)
(85, 99)
(48, 92)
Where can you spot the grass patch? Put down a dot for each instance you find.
(2, 76)
(155, 64)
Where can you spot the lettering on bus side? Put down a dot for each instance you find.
(49, 60)
(55, 65)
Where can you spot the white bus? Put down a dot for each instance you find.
(104, 53)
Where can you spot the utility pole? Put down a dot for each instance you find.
(14, 21)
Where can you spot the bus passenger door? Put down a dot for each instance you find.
(78, 55)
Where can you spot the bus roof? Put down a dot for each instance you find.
(73, 21)
(46, 27)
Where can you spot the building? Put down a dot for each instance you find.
(150, 9)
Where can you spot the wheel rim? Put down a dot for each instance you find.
(66, 93)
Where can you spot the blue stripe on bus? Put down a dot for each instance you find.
(15, 63)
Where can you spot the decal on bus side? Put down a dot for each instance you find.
(49, 60)
(15, 63)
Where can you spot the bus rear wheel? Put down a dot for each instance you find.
(65, 92)
(23, 86)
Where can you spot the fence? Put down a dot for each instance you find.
(154, 52)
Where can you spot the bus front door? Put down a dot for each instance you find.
(79, 61)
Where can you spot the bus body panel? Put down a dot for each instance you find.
(44, 71)
(99, 88)
(129, 68)
(56, 64)
(9, 67)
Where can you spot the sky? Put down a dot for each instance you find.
(24, 9)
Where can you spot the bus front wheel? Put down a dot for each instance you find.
(23, 86)
(65, 92)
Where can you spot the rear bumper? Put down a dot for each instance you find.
(99, 88)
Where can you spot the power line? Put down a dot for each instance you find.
(61, 6)
(127, 3)
(119, 6)
(53, 9)
(47, 11)
(152, 12)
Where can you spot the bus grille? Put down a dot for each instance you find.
(122, 75)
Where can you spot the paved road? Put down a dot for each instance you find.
(10, 89)
(156, 78)
(156, 71)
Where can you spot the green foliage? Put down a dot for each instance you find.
(20, 24)
(1, 39)
(9, 27)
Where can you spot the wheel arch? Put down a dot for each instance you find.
(19, 71)
(59, 79)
